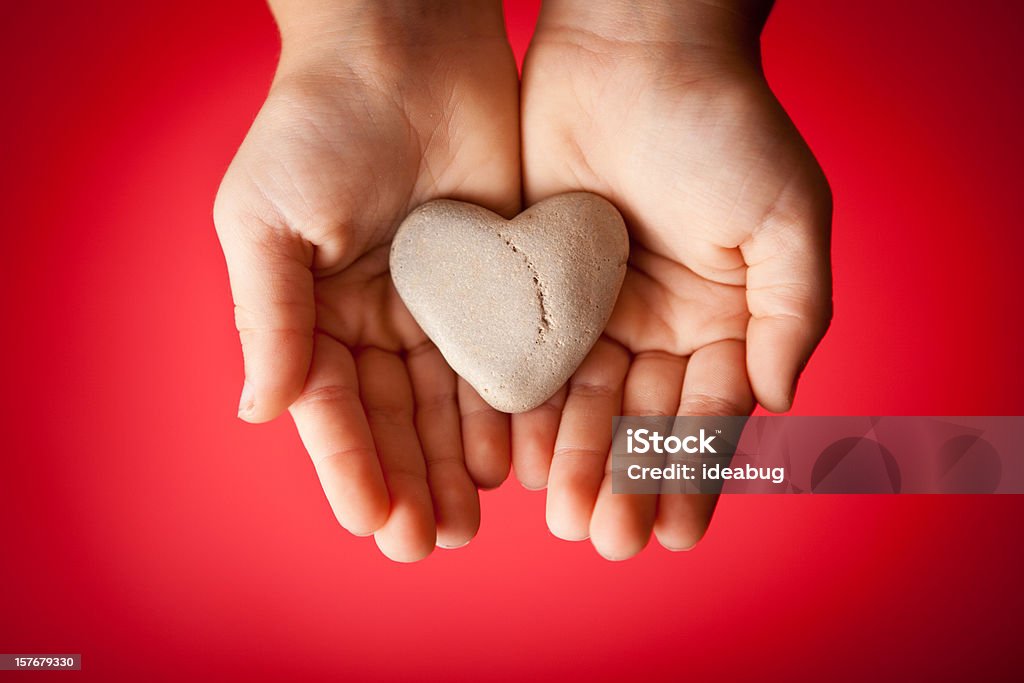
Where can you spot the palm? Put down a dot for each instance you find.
(697, 163)
(664, 306)
(705, 167)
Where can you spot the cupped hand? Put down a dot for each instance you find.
(361, 125)
(728, 289)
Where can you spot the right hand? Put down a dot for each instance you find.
(662, 108)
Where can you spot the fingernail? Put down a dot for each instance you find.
(452, 547)
(248, 400)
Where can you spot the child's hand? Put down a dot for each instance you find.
(664, 111)
(372, 112)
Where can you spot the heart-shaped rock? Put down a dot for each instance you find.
(513, 306)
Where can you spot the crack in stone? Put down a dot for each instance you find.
(545, 319)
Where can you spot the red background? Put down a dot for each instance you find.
(144, 527)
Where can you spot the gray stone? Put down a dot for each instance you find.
(513, 306)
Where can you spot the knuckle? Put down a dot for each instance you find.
(416, 476)
(436, 403)
(331, 393)
(484, 412)
(389, 416)
(591, 389)
(446, 458)
(580, 453)
(708, 404)
(344, 454)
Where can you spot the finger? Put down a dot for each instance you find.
(715, 384)
(456, 501)
(533, 441)
(622, 522)
(272, 287)
(409, 533)
(333, 428)
(485, 438)
(584, 438)
(789, 294)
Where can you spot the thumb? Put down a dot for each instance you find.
(789, 292)
(272, 287)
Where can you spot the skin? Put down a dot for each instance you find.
(379, 107)
(665, 111)
(370, 114)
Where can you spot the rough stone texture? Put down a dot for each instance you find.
(513, 306)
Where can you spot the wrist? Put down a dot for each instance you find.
(730, 28)
(375, 30)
